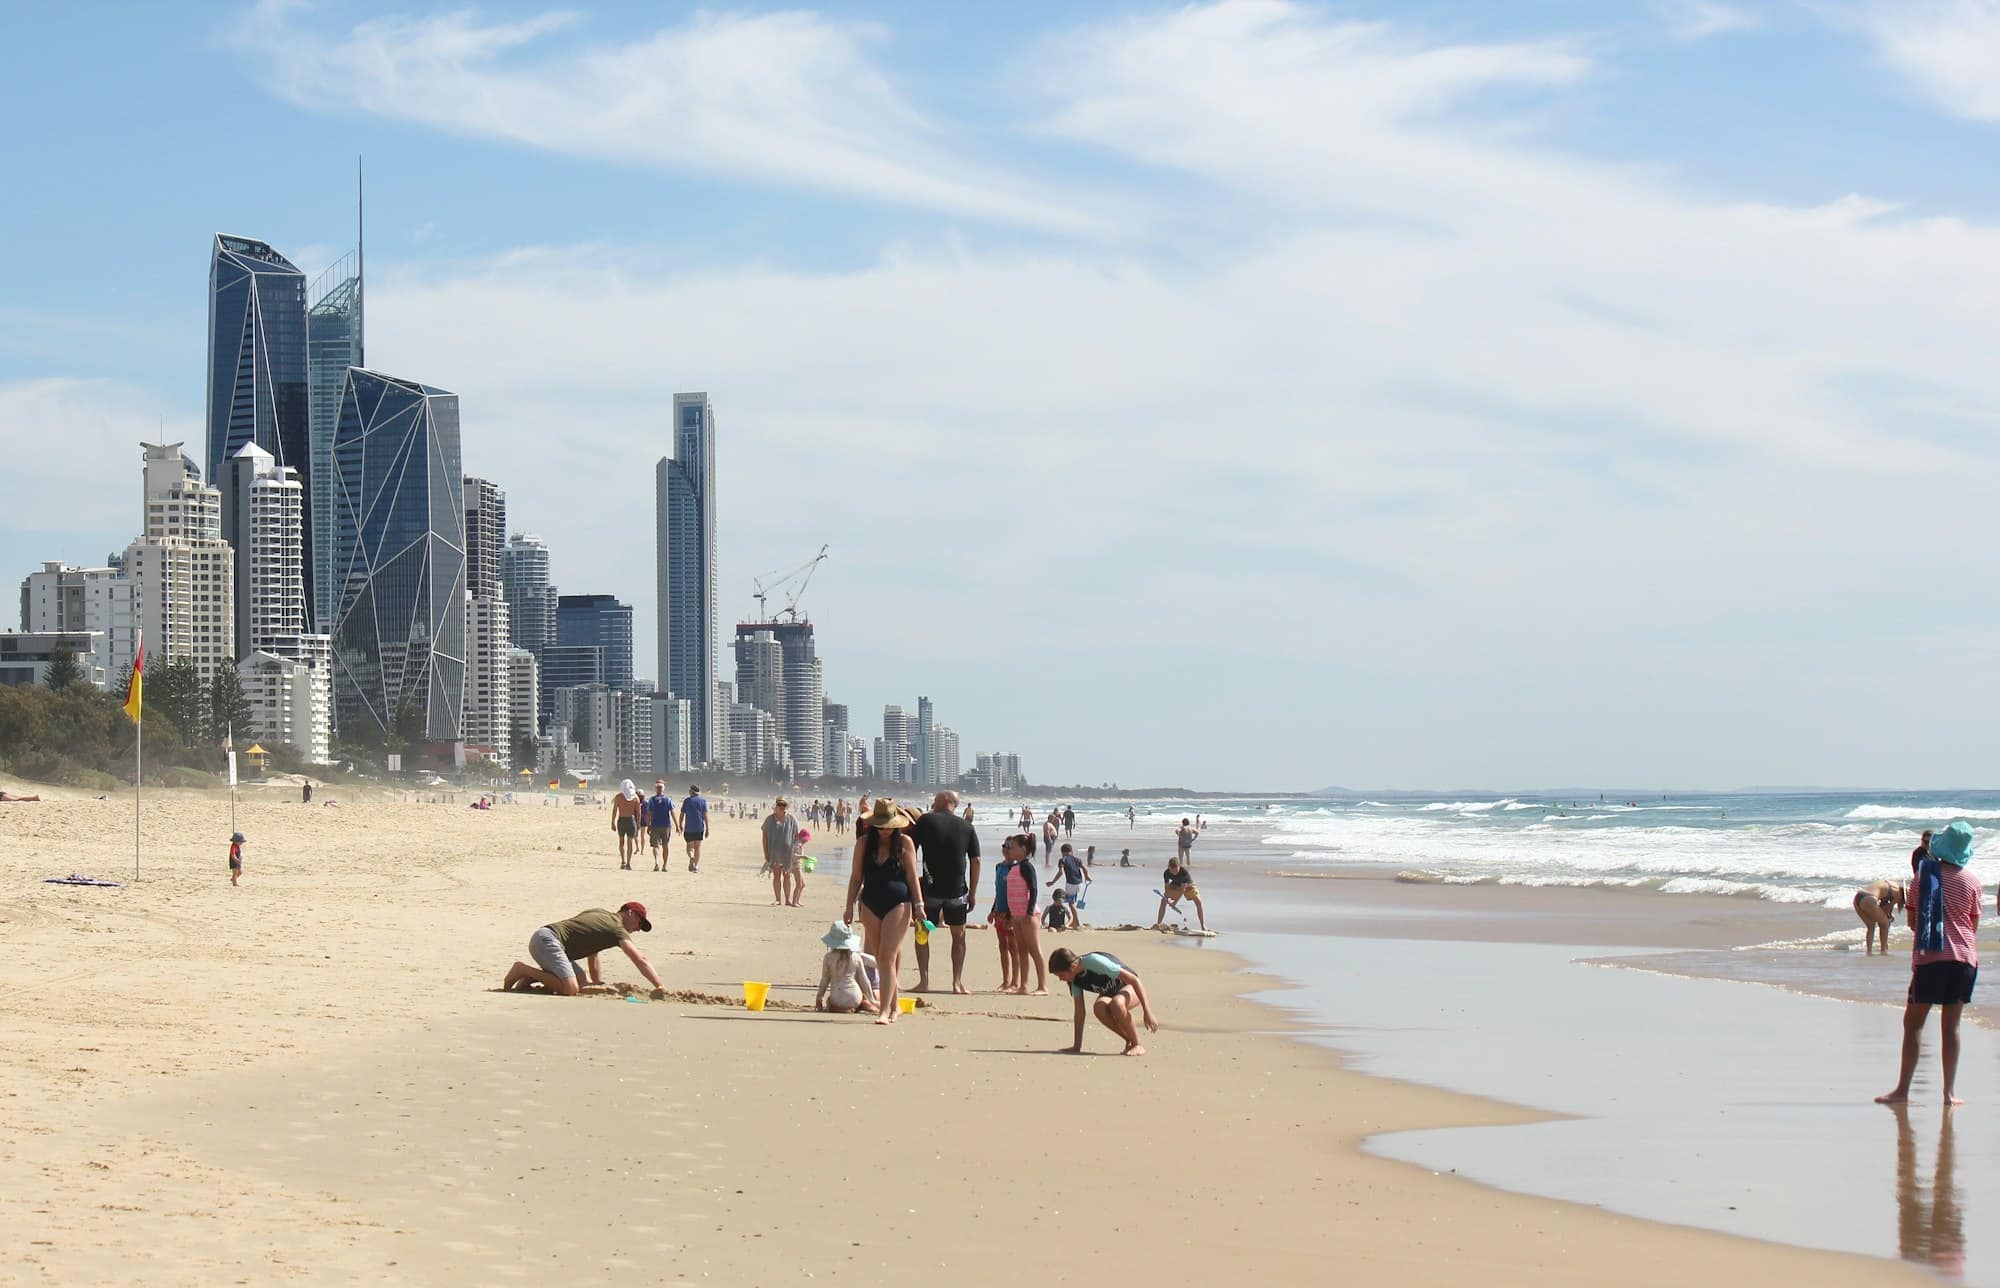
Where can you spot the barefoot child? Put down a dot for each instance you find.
(1944, 964)
(1118, 990)
(235, 858)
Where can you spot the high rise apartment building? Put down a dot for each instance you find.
(485, 538)
(524, 577)
(684, 571)
(399, 553)
(183, 573)
(489, 696)
(264, 504)
(284, 667)
(601, 622)
(944, 757)
(567, 666)
(257, 386)
(833, 722)
(672, 720)
(524, 696)
(920, 743)
(489, 689)
(760, 670)
(67, 600)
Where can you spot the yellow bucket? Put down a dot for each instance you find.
(754, 993)
(907, 1005)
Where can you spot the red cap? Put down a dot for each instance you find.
(638, 910)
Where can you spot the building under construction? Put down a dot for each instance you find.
(778, 673)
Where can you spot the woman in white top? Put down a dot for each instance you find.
(846, 974)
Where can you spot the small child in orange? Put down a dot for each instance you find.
(235, 858)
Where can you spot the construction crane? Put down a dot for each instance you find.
(772, 581)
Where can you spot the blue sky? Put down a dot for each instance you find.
(1245, 395)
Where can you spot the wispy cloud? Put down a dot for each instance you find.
(1701, 19)
(783, 98)
(1950, 48)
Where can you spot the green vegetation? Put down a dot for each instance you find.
(78, 735)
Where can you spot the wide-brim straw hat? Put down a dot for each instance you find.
(885, 816)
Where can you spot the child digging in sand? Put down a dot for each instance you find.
(1118, 990)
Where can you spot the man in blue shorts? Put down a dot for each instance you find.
(694, 825)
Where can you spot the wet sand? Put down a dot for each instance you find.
(311, 1079)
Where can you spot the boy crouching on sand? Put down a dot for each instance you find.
(1118, 989)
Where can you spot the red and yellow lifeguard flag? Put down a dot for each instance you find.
(134, 701)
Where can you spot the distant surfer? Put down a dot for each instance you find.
(1877, 905)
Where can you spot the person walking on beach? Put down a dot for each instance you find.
(781, 838)
(1016, 890)
(1179, 885)
(1071, 870)
(658, 819)
(1131, 817)
(844, 986)
(1922, 852)
(1051, 828)
(950, 848)
(1069, 822)
(1943, 909)
(1877, 904)
(1118, 990)
(1027, 819)
(1184, 836)
(625, 822)
(236, 842)
(694, 825)
(885, 882)
(558, 946)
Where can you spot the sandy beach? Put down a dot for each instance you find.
(313, 1078)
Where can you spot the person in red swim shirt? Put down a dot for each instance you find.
(1943, 910)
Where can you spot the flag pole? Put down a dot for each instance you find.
(135, 710)
(138, 783)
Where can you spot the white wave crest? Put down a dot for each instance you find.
(1918, 813)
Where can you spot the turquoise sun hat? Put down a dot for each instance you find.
(1953, 845)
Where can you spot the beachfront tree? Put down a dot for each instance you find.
(525, 750)
(176, 689)
(227, 707)
(63, 670)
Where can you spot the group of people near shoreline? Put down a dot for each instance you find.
(642, 821)
(910, 871)
(1940, 903)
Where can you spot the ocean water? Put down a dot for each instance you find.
(1692, 1095)
(1813, 848)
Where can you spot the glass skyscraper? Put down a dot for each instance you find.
(524, 574)
(333, 344)
(684, 571)
(599, 621)
(399, 556)
(257, 391)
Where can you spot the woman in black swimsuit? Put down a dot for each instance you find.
(884, 880)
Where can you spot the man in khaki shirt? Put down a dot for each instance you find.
(558, 946)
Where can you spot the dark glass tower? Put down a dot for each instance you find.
(399, 555)
(684, 570)
(601, 622)
(257, 388)
(333, 344)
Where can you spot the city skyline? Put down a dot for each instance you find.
(1368, 395)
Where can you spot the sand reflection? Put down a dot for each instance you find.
(1930, 1225)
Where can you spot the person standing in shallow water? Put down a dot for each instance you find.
(1944, 963)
